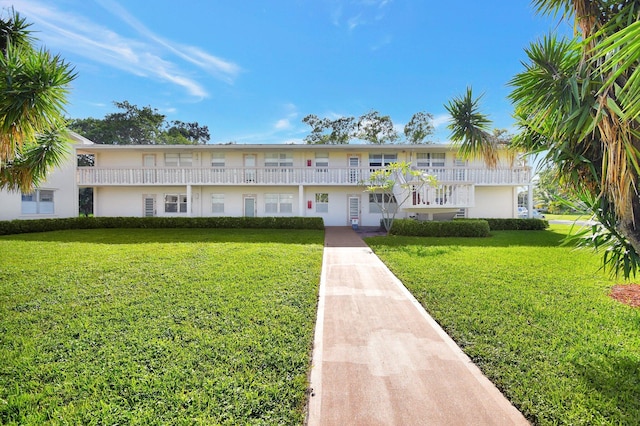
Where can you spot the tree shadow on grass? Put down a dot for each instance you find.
(174, 235)
(617, 381)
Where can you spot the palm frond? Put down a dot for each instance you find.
(470, 129)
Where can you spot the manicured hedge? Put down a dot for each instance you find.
(517, 224)
(44, 225)
(458, 228)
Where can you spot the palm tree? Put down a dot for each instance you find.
(579, 100)
(33, 88)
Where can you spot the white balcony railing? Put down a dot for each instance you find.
(442, 196)
(97, 176)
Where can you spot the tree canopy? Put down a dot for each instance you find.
(139, 126)
(371, 127)
(33, 89)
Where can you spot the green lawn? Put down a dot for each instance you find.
(534, 316)
(571, 217)
(173, 326)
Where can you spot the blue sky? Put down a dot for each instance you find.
(251, 70)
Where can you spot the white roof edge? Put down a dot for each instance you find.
(275, 147)
(79, 139)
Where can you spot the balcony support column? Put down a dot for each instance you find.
(530, 200)
(189, 200)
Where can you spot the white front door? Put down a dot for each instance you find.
(249, 206)
(354, 209)
(149, 205)
(249, 168)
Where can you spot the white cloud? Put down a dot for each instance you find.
(357, 13)
(354, 22)
(149, 56)
(282, 124)
(441, 119)
(291, 113)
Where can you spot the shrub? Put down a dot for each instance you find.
(461, 228)
(517, 224)
(44, 225)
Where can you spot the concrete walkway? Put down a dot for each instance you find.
(380, 359)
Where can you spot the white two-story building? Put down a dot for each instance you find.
(268, 180)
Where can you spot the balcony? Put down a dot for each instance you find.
(444, 197)
(98, 176)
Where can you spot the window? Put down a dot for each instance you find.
(278, 203)
(429, 159)
(274, 159)
(376, 201)
(217, 203)
(149, 160)
(175, 203)
(322, 203)
(217, 159)
(38, 202)
(379, 160)
(322, 159)
(178, 159)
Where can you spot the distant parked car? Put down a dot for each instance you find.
(523, 213)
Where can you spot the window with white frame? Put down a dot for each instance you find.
(461, 165)
(322, 159)
(425, 160)
(217, 159)
(274, 159)
(379, 160)
(278, 203)
(175, 203)
(377, 201)
(322, 202)
(40, 201)
(175, 159)
(217, 203)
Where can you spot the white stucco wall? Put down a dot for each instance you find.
(65, 195)
(494, 202)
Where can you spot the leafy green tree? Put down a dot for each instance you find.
(333, 132)
(33, 87)
(376, 129)
(419, 128)
(187, 133)
(392, 186)
(579, 101)
(139, 126)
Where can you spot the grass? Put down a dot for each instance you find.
(571, 217)
(142, 326)
(534, 316)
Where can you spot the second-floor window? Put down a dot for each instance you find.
(274, 159)
(217, 159)
(183, 159)
(379, 160)
(425, 160)
(278, 203)
(322, 160)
